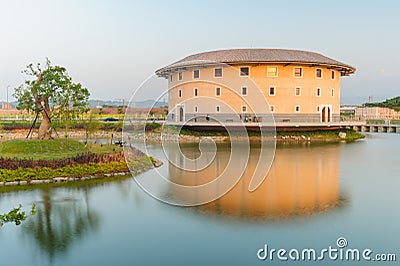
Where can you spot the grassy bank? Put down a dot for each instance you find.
(298, 136)
(28, 174)
(76, 171)
(50, 149)
(46, 152)
(322, 136)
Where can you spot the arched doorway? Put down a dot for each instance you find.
(180, 113)
(326, 113)
(329, 114)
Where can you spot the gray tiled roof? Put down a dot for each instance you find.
(238, 56)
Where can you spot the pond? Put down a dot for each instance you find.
(313, 195)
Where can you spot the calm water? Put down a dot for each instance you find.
(312, 195)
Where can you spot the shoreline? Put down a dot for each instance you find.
(284, 137)
(62, 161)
(59, 179)
(196, 136)
(64, 180)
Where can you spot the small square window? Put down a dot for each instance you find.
(244, 71)
(196, 74)
(297, 91)
(272, 71)
(332, 74)
(298, 72)
(217, 108)
(318, 92)
(196, 92)
(297, 108)
(318, 73)
(244, 90)
(180, 93)
(218, 91)
(272, 91)
(272, 108)
(217, 72)
(180, 75)
(244, 108)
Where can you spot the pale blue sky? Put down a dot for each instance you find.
(112, 46)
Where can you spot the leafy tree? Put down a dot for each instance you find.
(393, 103)
(91, 126)
(51, 93)
(120, 110)
(15, 216)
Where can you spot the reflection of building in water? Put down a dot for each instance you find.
(301, 181)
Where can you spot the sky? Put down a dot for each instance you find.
(111, 47)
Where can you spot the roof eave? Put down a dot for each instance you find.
(164, 72)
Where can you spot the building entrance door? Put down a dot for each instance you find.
(326, 113)
(181, 113)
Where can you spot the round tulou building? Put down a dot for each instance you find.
(228, 85)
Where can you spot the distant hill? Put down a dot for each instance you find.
(393, 103)
(141, 104)
(94, 103)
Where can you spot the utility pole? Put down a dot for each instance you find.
(122, 100)
(7, 96)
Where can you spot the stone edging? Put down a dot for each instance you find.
(68, 179)
(155, 164)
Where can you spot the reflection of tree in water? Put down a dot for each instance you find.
(58, 224)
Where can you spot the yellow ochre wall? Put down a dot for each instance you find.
(284, 101)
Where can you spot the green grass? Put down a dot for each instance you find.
(89, 183)
(58, 149)
(50, 149)
(26, 174)
(197, 133)
(316, 135)
(326, 135)
(375, 121)
(153, 126)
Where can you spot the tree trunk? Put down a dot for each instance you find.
(44, 129)
(42, 104)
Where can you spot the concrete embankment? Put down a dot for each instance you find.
(301, 137)
(156, 137)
